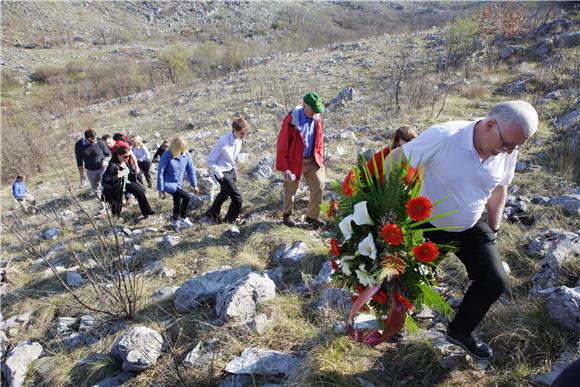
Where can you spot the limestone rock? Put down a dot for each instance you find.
(333, 298)
(563, 305)
(259, 324)
(15, 366)
(566, 248)
(50, 234)
(290, 255)
(163, 294)
(323, 277)
(206, 287)
(239, 301)
(263, 362)
(74, 279)
(139, 348)
(570, 203)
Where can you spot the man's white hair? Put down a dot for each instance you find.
(519, 113)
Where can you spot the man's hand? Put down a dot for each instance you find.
(83, 181)
(288, 176)
(162, 195)
(195, 190)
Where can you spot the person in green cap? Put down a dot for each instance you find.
(299, 153)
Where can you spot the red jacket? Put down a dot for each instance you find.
(290, 146)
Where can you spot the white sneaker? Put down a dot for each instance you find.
(186, 223)
(176, 224)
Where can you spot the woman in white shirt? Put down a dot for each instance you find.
(143, 158)
(222, 163)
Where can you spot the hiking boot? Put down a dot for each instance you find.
(287, 221)
(186, 223)
(472, 345)
(214, 218)
(315, 223)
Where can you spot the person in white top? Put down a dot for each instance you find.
(222, 164)
(472, 162)
(143, 158)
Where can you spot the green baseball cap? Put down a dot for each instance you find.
(314, 101)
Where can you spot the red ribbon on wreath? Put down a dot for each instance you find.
(392, 325)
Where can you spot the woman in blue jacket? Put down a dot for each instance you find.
(170, 174)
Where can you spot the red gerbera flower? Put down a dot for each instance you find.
(332, 207)
(426, 252)
(359, 288)
(347, 185)
(334, 247)
(381, 297)
(392, 234)
(334, 264)
(399, 297)
(419, 208)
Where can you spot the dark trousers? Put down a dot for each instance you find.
(136, 190)
(145, 167)
(228, 190)
(180, 202)
(478, 252)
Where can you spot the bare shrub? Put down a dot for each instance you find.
(113, 288)
(175, 63)
(8, 82)
(47, 74)
(475, 90)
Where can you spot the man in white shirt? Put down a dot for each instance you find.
(222, 164)
(472, 162)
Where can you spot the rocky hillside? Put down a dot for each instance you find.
(87, 301)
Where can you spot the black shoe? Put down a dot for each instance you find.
(315, 223)
(215, 219)
(287, 221)
(473, 346)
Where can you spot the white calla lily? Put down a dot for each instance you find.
(363, 276)
(367, 247)
(361, 214)
(344, 267)
(346, 227)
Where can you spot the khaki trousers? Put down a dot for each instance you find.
(314, 176)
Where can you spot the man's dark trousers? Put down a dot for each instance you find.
(228, 189)
(478, 252)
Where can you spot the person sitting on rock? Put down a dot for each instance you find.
(173, 166)
(22, 195)
(299, 153)
(115, 183)
(222, 164)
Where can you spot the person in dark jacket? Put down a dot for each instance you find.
(116, 182)
(94, 154)
(160, 151)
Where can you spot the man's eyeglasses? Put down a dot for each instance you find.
(506, 146)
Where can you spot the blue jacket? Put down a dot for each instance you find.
(171, 170)
(19, 189)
